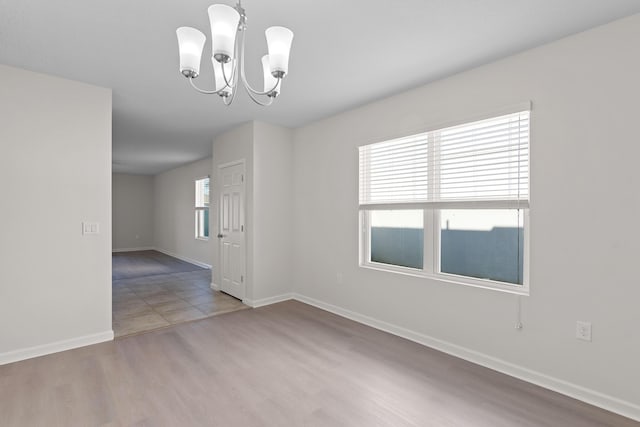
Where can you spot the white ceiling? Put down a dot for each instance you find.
(345, 53)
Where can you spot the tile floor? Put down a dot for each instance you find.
(146, 303)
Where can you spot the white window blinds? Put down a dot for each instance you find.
(485, 161)
(395, 171)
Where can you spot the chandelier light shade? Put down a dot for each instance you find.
(228, 29)
(190, 44)
(224, 26)
(279, 44)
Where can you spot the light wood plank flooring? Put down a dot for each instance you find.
(288, 364)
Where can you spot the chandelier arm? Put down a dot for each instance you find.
(255, 92)
(228, 100)
(244, 78)
(258, 101)
(237, 47)
(234, 70)
(232, 84)
(206, 92)
(252, 90)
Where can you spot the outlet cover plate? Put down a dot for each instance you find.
(583, 330)
(90, 228)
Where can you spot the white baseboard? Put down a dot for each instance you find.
(214, 286)
(55, 347)
(184, 258)
(575, 391)
(142, 248)
(267, 301)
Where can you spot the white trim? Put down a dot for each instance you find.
(142, 248)
(54, 347)
(575, 391)
(267, 301)
(449, 278)
(214, 286)
(432, 253)
(448, 204)
(184, 258)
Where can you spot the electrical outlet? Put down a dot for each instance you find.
(583, 330)
(339, 278)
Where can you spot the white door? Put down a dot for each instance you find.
(231, 229)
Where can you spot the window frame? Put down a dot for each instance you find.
(199, 225)
(431, 224)
(431, 253)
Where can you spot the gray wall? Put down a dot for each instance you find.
(55, 173)
(267, 152)
(174, 213)
(132, 211)
(272, 210)
(584, 216)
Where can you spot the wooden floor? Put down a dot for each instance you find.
(287, 364)
(143, 302)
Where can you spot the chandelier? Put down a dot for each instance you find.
(228, 28)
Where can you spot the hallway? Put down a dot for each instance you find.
(145, 300)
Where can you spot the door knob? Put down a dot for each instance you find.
(220, 236)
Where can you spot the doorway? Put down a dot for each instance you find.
(153, 290)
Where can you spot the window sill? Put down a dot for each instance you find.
(450, 278)
(204, 239)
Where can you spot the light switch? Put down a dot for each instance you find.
(90, 228)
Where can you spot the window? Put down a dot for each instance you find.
(202, 208)
(451, 203)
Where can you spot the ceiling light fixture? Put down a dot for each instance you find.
(228, 28)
